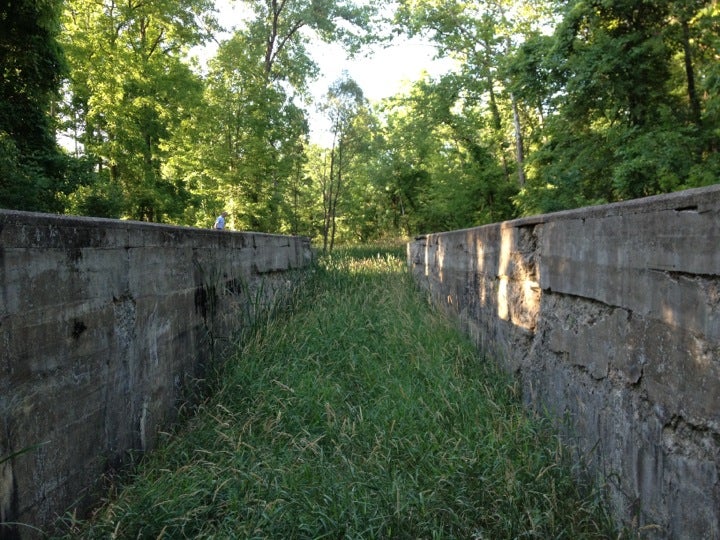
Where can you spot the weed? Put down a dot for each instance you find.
(357, 411)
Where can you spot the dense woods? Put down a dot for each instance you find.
(553, 105)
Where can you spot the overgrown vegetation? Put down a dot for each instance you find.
(551, 104)
(358, 412)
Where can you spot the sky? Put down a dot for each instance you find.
(385, 73)
(381, 74)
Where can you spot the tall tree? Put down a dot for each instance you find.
(443, 172)
(31, 69)
(343, 103)
(243, 147)
(618, 79)
(253, 130)
(480, 36)
(130, 89)
(692, 34)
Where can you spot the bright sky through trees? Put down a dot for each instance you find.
(381, 72)
(384, 71)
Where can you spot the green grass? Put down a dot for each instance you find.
(357, 412)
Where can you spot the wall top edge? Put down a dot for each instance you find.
(61, 220)
(696, 199)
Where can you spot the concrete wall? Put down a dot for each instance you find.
(104, 326)
(610, 317)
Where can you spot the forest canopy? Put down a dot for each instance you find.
(552, 105)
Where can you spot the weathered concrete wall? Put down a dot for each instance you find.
(610, 317)
(103, 326)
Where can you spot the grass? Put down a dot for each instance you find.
(357, 412)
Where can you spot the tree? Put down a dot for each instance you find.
(250, 138)
(130, 90)
(624, 119)
(692, 34)
(243, 147)
(481, 35)
(443, 173)
(32, 66)
(343, 103)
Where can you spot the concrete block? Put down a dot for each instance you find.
(103, 323)
(610, 317)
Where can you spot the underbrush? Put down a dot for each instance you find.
(356, 412)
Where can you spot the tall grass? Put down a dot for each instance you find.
(359, 412)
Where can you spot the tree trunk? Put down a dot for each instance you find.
(333, 206)
(497, 126)
(695, 112)
(519, 150)
(327, 200)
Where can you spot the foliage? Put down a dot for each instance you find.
(359, 413)
(92, 195)
(241, 149)
(625, 117)
(613, 104)
(245, 150)
(552, 105)
(344, 105)
(31, 68)
(441, 172)
(128, 91)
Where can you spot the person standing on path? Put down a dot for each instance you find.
(220, 222)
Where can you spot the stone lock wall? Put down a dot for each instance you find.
(610, 317)
(105, 325)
